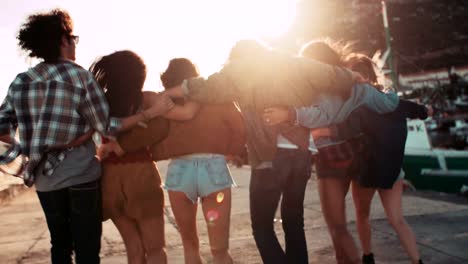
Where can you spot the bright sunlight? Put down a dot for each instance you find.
(203, 30)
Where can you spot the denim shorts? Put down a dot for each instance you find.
(198, 175)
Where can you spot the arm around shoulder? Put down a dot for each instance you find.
(183, 112)
(137, 138)
(374, 99)
(219, 87)
(326, 78)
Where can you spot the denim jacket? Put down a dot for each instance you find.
(331, 110)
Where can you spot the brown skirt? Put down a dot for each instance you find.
(131, 189)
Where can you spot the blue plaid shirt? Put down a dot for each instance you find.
(46, 108)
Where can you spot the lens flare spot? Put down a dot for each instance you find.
(220, 197)
(212, 216)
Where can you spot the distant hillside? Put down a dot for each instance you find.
(427, 34)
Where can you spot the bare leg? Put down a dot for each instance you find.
(217, 211)
(185, 213)
(152, 234)
(131, 236)
(391, 200)
(332, 197)
(362, 198)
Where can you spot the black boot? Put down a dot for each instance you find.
(368, 259)
(420, 261)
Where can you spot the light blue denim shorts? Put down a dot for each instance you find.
(198, 175)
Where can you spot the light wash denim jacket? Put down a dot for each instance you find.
(331, 110)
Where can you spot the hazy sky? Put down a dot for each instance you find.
(202, 30)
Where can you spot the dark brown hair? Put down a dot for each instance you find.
(364, 65)
(41, 35)
(177, 71)
(122, 75)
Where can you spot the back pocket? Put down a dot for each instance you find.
(175, 172)
(218, 172)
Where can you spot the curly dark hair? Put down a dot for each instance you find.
(41, 35)
(177, 71)
(122, 75)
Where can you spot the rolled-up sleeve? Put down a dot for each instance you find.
(96, 109)
(8, 125)
(8, 119)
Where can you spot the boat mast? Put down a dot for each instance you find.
(388, 38)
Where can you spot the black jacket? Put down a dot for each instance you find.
(385, 138)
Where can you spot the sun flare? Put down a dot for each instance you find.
(203, 31)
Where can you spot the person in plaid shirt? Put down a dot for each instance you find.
(48, 108)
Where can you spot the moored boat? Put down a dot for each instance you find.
(429, 167)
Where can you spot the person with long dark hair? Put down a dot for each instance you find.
(132, 196)
(48, 108)
(200, 136)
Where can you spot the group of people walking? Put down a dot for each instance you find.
(324, 105)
